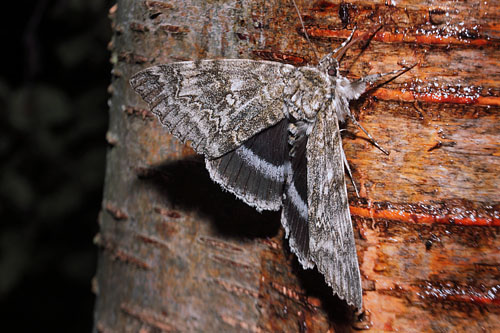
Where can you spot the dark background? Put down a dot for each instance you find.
(53, 105)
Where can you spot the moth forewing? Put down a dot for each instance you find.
(331, 237)
(216, 104)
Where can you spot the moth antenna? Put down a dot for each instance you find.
(304, 29)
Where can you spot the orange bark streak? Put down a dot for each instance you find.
(409, 96)
(422, 218)
(389, 37)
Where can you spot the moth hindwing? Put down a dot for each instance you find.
(270, 135)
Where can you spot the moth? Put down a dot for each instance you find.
(270, 135)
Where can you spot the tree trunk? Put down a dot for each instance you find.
(178, 254)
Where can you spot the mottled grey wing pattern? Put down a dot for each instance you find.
(252, 121)
(216, 104)
(331, 238)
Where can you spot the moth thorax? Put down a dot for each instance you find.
(331, 110)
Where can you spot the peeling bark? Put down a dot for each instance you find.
(178, 254)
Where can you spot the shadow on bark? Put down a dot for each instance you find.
(187, 185)
(339, 313)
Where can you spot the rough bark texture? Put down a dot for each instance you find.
(178, 254)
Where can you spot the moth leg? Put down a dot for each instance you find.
(359, 87)
(375, 143)
(346, 164)
(375, 77)
(349, 172)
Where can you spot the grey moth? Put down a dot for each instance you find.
(270, 135)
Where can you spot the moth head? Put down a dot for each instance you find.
(330, 66)
(332, 71)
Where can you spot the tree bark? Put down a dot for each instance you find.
(178, 254)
